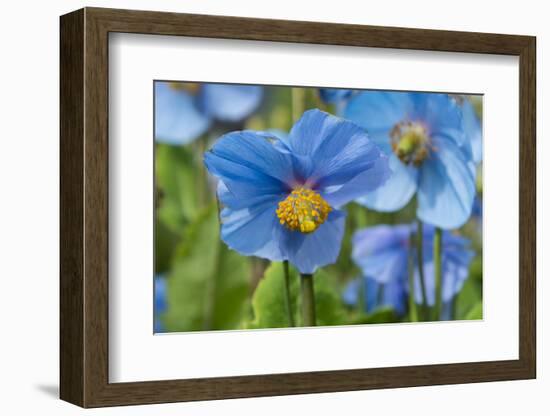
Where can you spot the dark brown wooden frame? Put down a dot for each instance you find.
(84, 207)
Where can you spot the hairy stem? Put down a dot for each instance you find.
(437, 274)
(288, 300)
(413, 311)
(420, 260)
(308, 300)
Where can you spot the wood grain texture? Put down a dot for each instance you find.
(71, 100)
(84, 207)
(527, 208)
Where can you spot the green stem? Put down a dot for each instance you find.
(420, 260)
(288, 301)
(361, 215)
(437, 274)
(298, 97)
(413, 311)
(453, 309)
(202, 186)
(308, 300)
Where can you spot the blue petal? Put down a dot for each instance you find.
(439, 113)
(229, 103)
(446, 186)
(236, 203)
(472, 129)
(369, 180)
(334, 95)
(158, 326)
(378, 112)
(382, 252)
(444, 119)
(429, 284)
(394, 294)
(312, 130)
(255, 150)
(308, 252)
(160, 302)
(446, 311)
(453, 278)
(278, 133)
(336, 157)
(177, 120)
(251, 231)
(352, 291)
(160, 293)
(250, 165)
(248, 226)
(455, 274)
(396, 192)
(477, 208)
(376, 295)
(457, 257)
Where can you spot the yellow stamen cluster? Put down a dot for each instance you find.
(303, 210)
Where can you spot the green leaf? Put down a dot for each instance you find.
(268, 302)
(470, 294)
(382, 315)
(329, 307)
(208, 283)
(269, 305)
(177, 178)
(476, 312)
(165, 243)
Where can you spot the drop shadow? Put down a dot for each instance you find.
(51, 390)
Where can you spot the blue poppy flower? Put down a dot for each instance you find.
(382, 252)
(472, 128)
(184, 111)
(160, 301)
(376, 295)
(429, 154)
(455, 265)
(281, 195)
(334, 95)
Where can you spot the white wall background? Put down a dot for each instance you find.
(29, 158)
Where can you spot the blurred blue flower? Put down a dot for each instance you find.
(455, 265)
(184, 111)
(281, 195)
(382, 252)
(477, 215)
(429, 154)
(334, 95)
(477, 209)
(472, 128)
(159, 302)
(337, 97)
(376, 295)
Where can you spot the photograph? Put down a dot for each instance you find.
(291, 206)
(268, 208)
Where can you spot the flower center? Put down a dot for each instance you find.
(410, 142)
(303, 210)
(191, 87)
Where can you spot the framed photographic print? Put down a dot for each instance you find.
(261, 207)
